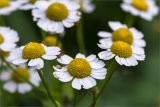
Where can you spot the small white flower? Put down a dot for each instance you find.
(27, 4)
(122, 33)
(55, 15)
(8, 39)
(124, 53)
(146, 9)
(33, 53)
(82, 70)
(8, 6)
(15, 83)
(86, 5)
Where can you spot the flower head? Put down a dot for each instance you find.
(33, 53)
(8, 39)
(8, 6)
(15, 80)
(54, 16)
(146, 9)
(82, 70)
(122, 33)
(124, 53)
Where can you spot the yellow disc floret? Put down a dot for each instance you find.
(1, 39)
(79, 68)
(32, 1)
(20, 75)
(122, 49)
(50, 41)
(3, 54)
(140, 5)
(4, 3)
(57, 12)
(123, 34)
(33, 50)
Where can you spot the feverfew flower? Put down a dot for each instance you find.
(55, 15)
(124, 53)
(82, 70)
(146, 9)
(122, 33)
(86, 5)
(27, 4)
(8, 6)
(13, 81)
(8, 39)
(33, 53)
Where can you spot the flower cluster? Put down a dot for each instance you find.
(54, 17)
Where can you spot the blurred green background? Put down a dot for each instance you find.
(129, 87)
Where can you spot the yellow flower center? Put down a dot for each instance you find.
(79, 68)
(3, 54)
(20, 74)
(140, 4)
(123, 34)
(52, 41)
(32, 1)
(4, 3)
(1, 39)
(122, 49)
(33, 50)
(57, 12)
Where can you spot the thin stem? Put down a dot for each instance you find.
(129, 20)
(75, 98)
(12, 68)
(80, 38)
(109, 75)
(47, 89)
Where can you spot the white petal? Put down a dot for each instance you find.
(63, 76)
(91, 58)
(99, 74)
(10, 87)
(97, 64)
(88, 82)
(104, 34)
(23, 88)
(6, 75)
(76, 83)
(19, 61)
(116, 25)
(118, 60)
(38, 63)
(65, 59)
(80, 55)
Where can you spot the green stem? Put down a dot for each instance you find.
(56, 103)
(108, 77)
(13, 69)
(129, 20)
(75, 98)
(80, 38)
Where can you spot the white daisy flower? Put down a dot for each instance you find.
(146, 9)
(33, 53)
(8, 6)
(86, 5)
(8, 39)
(27, 4)
(82, 70)
(55, 15)
(124, 53)
(14, 83)
(122, 33)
